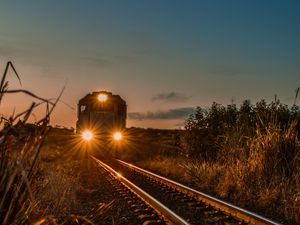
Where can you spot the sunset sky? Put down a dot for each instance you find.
(163, 57)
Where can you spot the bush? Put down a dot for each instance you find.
(249, 155)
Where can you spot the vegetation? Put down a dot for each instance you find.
(20, 145)
(252, 156)
(249, 155)
(37, 175)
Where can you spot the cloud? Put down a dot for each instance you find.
(179, 113)
(171, 97)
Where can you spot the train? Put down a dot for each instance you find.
(101, 114)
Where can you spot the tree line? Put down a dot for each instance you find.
(207, 129)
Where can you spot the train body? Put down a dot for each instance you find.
(101, 113)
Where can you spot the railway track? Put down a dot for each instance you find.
(174, 203)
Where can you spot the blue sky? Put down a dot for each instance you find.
(162, 57)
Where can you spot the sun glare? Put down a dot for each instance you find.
(102, 97)
(87, 135)
(117, 136)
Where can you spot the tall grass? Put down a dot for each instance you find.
(41, 168)
(20, 172)
(19, 150)
(256, 161)
(248, 155)
(263, 174)
(20, 145)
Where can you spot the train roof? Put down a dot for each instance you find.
(92, 96)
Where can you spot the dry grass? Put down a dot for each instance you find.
(168, 166)
(20, 145)
(265, 173)
(259, 172)
(37, 174)
(54, 186)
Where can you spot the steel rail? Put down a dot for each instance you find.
(227, 208)
(166, 213)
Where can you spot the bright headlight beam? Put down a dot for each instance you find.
(87, 135)
(102, 97)
(117, 136)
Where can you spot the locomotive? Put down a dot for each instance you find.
(101, 115)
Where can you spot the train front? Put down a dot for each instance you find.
(101, 117)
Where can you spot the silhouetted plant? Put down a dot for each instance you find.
(20, 145)
(249, 154)
(207, 128)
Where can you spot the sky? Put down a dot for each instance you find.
(163, 58)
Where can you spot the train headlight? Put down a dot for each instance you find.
(102, 97)
(117, 136)
(87, 135)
